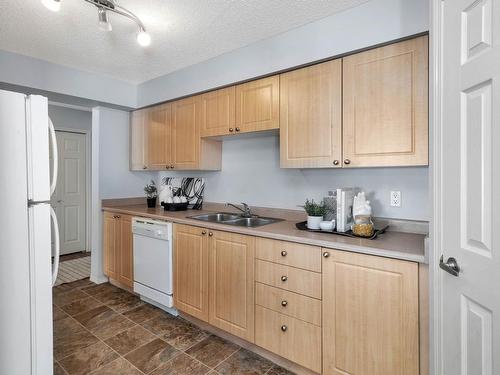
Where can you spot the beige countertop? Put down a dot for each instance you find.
(398, 245)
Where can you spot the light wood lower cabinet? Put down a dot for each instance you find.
(231, 273)
(191, 270)
(214, 278)
(370, 315)
(118, 248)
(288, 337)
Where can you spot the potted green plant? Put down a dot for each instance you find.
(151, 194)
(315, 212)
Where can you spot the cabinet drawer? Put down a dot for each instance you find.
(289, 253)
(289, 278)
(288, 337)
(289, 303)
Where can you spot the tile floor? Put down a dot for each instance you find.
(104, 330)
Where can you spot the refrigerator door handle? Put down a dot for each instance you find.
(55, 157)
(55, 268)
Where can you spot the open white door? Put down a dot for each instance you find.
(470, 187)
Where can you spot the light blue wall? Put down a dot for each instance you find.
(69, 118)
(29, 72)
(115, 178)
(372, 23)
(251, 173)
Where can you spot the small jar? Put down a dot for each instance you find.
(363, 226)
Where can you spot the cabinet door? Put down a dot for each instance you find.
(125, 251)
(370, 315)
(160, 136)
(110, 245)
(138, 140)
(232, 283)
(257, 105)
(386, 105)
(191, 271)
(218, 112)
(311, 116)
(186, 133)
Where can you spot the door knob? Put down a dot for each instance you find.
(450, 266)
(335, 162)
(283, 253)
(326, 254)
(210, 234)
(284, 328)
(284, 303)
(237, 129)
(284, 278)
(231, 130)
(347, 161)
(204, 232)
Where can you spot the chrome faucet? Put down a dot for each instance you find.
(246, 210)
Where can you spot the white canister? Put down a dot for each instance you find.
(313, 221)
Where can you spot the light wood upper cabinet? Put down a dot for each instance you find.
(370, 315)
(232, 283)
(218, 112)
(386, 105)
(186, 132)
(257, 105)
(160, 137)
(139, 140)
(311, 116)
(191, 270)
(117, 248)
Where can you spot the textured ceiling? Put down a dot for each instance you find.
(184, 32)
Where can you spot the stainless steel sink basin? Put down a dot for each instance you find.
(217, 217)
(235, 219)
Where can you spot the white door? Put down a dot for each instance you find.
(69, 199)
(470, 195)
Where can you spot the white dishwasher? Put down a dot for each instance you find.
(153, 261)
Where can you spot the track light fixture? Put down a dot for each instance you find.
(103, 6)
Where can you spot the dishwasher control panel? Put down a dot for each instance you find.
(161, 230)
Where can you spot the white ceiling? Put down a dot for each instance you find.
(184, 32)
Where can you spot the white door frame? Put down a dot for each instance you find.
(435, 120)
(88, 182)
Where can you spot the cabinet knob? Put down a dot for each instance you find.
(283, 253)
(172, 166)
(231, 130)
(284, 303)
(167, 166)
(204, 232)
(347, 161)
(237, 129)
(326, 254)
(284, 278)
(144, 167)
(210, 234)
(335, 162)
(116, 217)
(284, 328)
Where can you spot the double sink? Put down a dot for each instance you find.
(235, 219)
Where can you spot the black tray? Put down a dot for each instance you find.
(175, 206)
(303, 226)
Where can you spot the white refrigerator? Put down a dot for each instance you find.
(27, 180)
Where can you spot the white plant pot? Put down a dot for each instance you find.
(313, 221)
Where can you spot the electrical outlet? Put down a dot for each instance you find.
(395, 198)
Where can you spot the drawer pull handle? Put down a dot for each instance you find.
(284, 328)
(283, 253)
(284, 278)
(284, 303)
